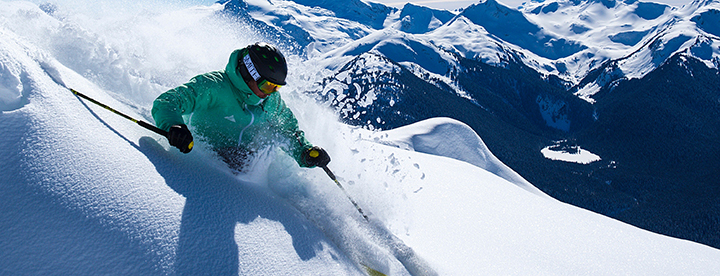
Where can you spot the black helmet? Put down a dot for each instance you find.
(267, 61)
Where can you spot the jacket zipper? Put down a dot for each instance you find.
(252, 120)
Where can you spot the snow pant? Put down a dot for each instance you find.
(237, 158)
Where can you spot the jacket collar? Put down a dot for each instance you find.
(241, 88)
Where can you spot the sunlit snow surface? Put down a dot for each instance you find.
(85, 192)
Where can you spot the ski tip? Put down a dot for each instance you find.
(372, 272)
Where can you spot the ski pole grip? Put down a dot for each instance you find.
(160, 131)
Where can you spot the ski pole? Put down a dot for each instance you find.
(332, 176)
(141, 123)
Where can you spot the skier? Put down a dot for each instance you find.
(237, 111)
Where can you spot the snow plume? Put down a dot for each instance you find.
(130, 49)
(86, 192)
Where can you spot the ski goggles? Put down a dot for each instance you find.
(268, 87)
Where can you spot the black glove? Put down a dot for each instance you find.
(315, 156)
(180, 137)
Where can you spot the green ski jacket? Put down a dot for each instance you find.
(218, 107)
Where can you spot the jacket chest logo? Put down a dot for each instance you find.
(231, 118)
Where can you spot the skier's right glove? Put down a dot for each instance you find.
(180, 137)
(315, 156)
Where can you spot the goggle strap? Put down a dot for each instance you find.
(251, 67)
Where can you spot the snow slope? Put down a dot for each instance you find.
(85, 192)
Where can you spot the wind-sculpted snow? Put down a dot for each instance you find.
(14, 84)
(453, 139)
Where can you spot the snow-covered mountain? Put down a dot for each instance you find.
(85, 192)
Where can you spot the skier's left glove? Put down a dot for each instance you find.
(315, 156)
